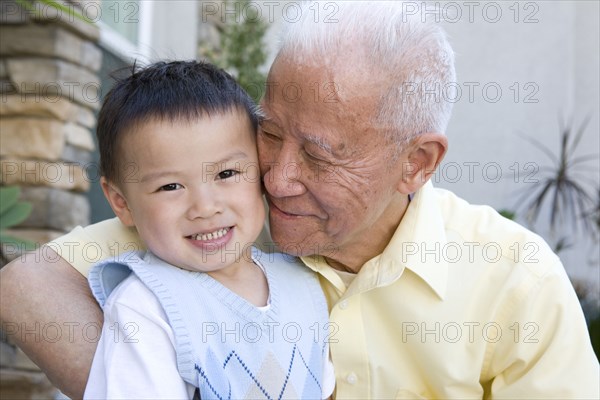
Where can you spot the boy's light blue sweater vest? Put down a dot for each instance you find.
(225, 346)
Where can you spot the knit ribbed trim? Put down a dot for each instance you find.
(185, 356)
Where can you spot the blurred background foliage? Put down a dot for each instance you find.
(242, 51)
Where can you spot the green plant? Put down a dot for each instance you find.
(594, 329)
(12, 212)
(241, 47)
(561, 183)
(508, 214)
(31, 6)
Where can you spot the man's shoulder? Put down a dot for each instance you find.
(484, 227)
(475, 221)
(85, 246)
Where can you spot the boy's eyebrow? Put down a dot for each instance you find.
(238, 155)
(156, 175)
(233, 156)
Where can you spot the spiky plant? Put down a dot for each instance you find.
(561, 183)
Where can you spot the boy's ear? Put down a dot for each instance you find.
(117, 202)
(423, 156)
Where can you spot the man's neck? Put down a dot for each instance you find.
(374, 240)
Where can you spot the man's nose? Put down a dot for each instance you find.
(283, 177)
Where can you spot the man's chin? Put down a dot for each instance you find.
(296, 245)
(301, 245)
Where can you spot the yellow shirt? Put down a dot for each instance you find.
(461, 304)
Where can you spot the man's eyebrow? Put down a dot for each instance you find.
(320, 142)
(260, 113)
(267, 120)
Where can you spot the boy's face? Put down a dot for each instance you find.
(192, 189)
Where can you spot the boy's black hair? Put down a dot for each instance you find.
(177, 90)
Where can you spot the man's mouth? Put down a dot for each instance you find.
(217, 234)
(280, 211)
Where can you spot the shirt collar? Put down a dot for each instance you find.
(419, 241)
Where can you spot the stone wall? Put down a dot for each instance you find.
(49, 92)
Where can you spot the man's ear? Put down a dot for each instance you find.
(117, 202)
(424, 154)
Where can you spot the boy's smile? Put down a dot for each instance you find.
(213, 240)
(192, 189)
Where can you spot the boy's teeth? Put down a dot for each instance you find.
(213, 235)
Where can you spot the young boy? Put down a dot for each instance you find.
(202, 312)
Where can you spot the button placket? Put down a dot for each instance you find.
(351, 378)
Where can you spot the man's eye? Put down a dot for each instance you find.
(268, 135)
(228, 173)
(316, 159)
(170, 187)
(312, 157)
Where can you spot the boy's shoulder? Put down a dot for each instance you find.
(279, 260)
(290, 274)
(131, 292)
(106, 276)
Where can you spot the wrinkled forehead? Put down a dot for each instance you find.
(336, 110)
(333, 91)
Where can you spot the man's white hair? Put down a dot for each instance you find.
(407, 53)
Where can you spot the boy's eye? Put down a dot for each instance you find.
(170, 187)
(228, 173)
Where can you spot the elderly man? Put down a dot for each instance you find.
(430, 297)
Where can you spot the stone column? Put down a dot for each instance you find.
(49, 91)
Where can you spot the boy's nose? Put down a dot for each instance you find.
(203, 204)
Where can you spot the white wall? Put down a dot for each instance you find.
(172, 33)
(165, 29)
(558, 57)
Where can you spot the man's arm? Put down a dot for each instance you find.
(42, 288)
(546, 353)
(47, 287)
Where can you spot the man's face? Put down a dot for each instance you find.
(327, 172)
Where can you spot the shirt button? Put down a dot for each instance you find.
(351, 378)
(344, 305)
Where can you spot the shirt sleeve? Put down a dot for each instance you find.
(135, 358)
(85, 246)
(547, 355)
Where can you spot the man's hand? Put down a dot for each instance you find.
(54, 295)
